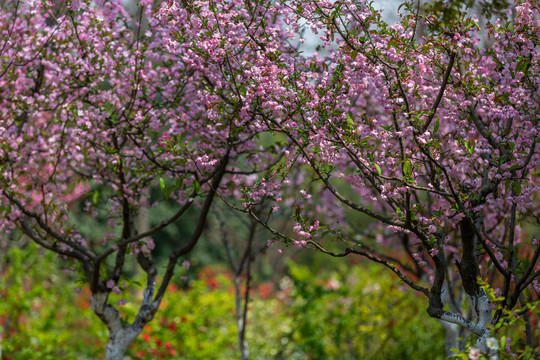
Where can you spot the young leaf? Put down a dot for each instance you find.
(161, 183)
(407, 170)
(378, 169)
(436, 126)
(350, 121)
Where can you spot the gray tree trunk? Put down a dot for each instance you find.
(481, 308)
(119, 343)
(121, 336)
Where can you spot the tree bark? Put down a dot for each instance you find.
(120, 336)
(119, 343)
(478, 300)
(479, 303)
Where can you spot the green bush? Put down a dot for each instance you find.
(194, 323)
(41, 316)
(358, 313)
(352, 312)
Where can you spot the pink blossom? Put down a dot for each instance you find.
(111, 284)
(508, 348)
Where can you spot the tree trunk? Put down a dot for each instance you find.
(483, 315)
(478, 300)
(120, 337)
(240, 319)
(119, 343)
(479, 304)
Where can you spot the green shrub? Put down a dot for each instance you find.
(353, 312)
(41, 316)
(357, 313)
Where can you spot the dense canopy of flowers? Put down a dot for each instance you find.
(420, 126)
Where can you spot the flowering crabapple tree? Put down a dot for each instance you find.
(432, 136)
(83, 100)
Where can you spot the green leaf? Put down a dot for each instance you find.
(243, 90)
(350, 121)
(197, 185)
(354, 54)
(161, 183)
(407, 169)
(522, 65)
(436, 126)
(95, 197)
(470, 145)
(378, 169)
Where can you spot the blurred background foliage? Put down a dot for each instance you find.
(335, 311)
